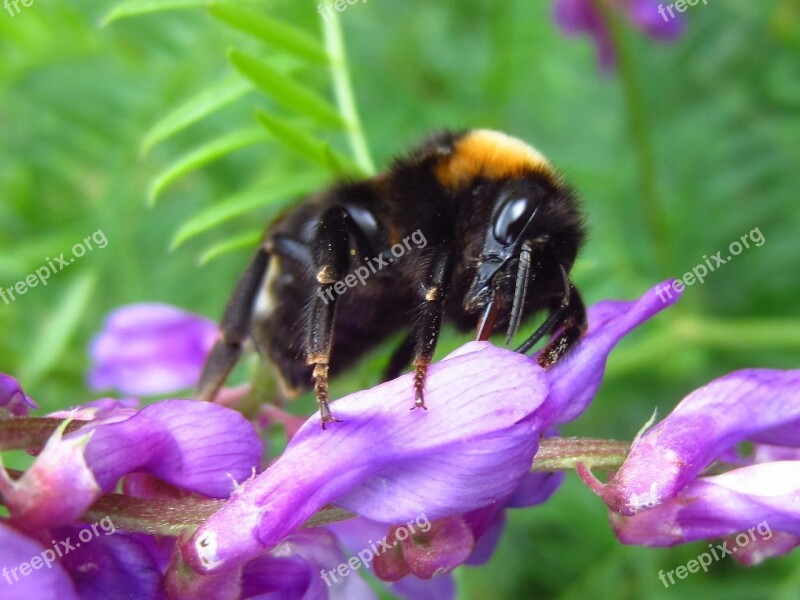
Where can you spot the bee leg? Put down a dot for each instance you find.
(572, 324)
(330, 249)
(554, 319)
(569, 316)
(400, 359)
(234, 328)
(425, 332)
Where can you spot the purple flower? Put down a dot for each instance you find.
(12, 398)
(390, 464)
(471, 450)
(198, 446)
(303, 566)
(585, 16)
(370, 541)
(664, 499)
(42, 581)
(77, 562)
(756, 509)
(756, 405)
(148, 349)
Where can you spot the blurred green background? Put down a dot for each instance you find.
(719, 110)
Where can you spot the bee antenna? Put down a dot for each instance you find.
(520, 291)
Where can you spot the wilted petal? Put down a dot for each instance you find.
(147, 349)
(574, 380)
(390, 565)
(447, 544)
(47, 581)
(198, 446)
(760, 500)
(390, 464)
(12, 398)
(708, 421)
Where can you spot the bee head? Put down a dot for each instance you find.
(515, 206)
(518, 221)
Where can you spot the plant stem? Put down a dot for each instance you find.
(564, 454)
(655, 217)
(174, 516)
(345, 99)
(30, 432)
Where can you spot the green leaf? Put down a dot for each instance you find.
(58, 330)
(277, 193)
(203, 155)
(270, 31)
(285, 91)
(195, 108)
(240, 242)
(317, 151)
(134, 8)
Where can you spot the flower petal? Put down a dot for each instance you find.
(582, 16)
(43, 578)
(574, 380)
(758, 550)
(35, 500)
(442, 587)
(535, 488)
(707, 422)
(646, 15)
(764, 498)
(147, 349)
(389, 464)
(110, 566)
(487, 538)
(194, 445)
(198, 446)
(12, 398)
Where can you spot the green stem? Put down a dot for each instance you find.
(345, 99)
(174, 516)
(564, 454)
(638, 122)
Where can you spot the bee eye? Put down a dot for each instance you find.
(512, 218)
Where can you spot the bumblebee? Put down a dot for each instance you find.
(338, 273)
